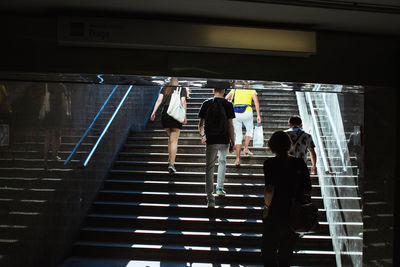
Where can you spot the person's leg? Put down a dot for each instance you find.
(270, 244)
(286, 246)
(47, 140)
(222, 153)
(246, 150)
(168, 131)
(237, 126)
(56, 134)
(248, 123)
(211, 157)
(173, 144)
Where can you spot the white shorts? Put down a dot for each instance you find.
(245, 118)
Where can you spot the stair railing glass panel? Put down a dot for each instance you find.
(321, 115)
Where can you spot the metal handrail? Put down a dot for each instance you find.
(337, 88)
(106, 128)
(319, 139)
(90, 126)
(331, 121)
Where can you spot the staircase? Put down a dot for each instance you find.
(144, 214)
(29, 195)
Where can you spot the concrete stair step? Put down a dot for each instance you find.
(184, 166)
(163, 175)
(180, 157)
(147, 185)
(38, 146)
(36, 163)
(64, 139)
(36, 172)
(176, 210)
(200, 148)
(151, 236)
(184, 133)
(38, 155)
(377, 220)
(166, 252)
(185, 198)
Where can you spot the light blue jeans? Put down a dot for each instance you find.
(211, 157)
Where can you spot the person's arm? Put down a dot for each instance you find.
(229, 96)
(201, 130)
(184, 105)
(231, 132)
(269, 191)
(313, 161)
(306, 185)
(257, 105)
(158, 103)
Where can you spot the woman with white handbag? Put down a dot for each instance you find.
(173, 99)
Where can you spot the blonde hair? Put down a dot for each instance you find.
(168, 90)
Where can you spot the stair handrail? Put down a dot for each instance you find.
(91, 125)
(85, 163)
(336, 88)
(316, 129)
(335, 133)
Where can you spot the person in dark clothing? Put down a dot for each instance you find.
(171, 126)
(217, 143)
(52, 115)
(286, 177)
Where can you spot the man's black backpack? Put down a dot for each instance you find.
(216, 119)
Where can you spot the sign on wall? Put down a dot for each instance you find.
(183, 36)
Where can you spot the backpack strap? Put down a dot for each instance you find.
(297, 139)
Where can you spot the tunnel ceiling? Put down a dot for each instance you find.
(362, 16)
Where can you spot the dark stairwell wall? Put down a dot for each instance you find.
(43, 236)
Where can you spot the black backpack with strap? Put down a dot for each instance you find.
(216, 121)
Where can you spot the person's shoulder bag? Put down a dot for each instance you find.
(303, 215)
(175, 108)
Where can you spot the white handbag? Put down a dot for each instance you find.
(258, 137)
(175, 109)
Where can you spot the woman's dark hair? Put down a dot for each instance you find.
(280, 143)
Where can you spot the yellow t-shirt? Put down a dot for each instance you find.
(243, 97)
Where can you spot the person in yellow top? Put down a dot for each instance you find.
(241, 97)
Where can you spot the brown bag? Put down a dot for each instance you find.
(303, 218)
